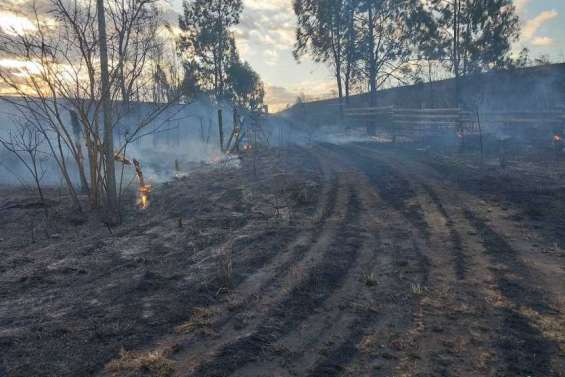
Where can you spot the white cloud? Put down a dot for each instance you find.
(279, 97)
(521, 5)
(14, 24)
(542, 42)
(267, 27)
(532, 26)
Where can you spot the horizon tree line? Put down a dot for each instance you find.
(368, 44)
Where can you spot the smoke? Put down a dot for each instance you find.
(182, 137)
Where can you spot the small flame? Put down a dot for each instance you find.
(143, 196)
(556, 138)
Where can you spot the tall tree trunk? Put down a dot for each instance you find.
(372, 60)
(338, 53)
(350, 54)
(371, 127)
(221, 48)
(456, 51)
(110, 173)
(339, 90)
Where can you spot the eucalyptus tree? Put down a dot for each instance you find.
(473, 35)
(207, 41)
(245, 86)
(326, 32)
(389, 29)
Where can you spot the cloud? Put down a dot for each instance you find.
(542, 42)
(521, 5)
(279, 97)
(14, 24)
(267, 27)
(532, 26)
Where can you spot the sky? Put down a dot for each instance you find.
(266, 34)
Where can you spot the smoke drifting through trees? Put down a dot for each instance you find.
(65, 77)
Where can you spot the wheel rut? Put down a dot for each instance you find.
(304, 298)
(512, 304)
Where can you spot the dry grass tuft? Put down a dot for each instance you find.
(370, 279)
(134, 364)
(200, 320)
(417, 289)
(369, 344)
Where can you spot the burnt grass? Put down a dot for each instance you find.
(299, 303)
(78, 294)
(525, 349)
(461, 261)
(392, 188)
(537, 198)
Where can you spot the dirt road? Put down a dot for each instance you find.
(405, 274)
(403, 266)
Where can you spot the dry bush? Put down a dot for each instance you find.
(133, 364)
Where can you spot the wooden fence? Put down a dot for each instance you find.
(413, 120)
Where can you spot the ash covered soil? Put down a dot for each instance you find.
(354, 260)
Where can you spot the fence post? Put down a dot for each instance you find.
(394, 125)
(221, 129)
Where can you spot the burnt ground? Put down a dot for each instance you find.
(353, 260)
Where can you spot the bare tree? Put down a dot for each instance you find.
(63, 74)
(111, 193)
(25, 144)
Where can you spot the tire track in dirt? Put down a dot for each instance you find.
(419, 188)
(336, 318)
(448, 306)
(461, 259)
(262, 279)
(524, 347)
(520, 345)
(269, 294)
(396, 264)
(297, 350)
(322, 280)
(395, 190)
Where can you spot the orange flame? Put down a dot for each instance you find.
(143, 196)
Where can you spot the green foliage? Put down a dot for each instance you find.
(206, 42)
(328, 32)
(473, 35)
(245, 86)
